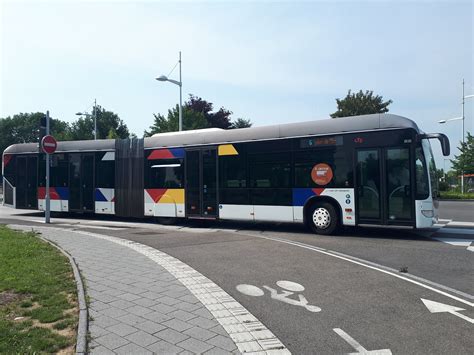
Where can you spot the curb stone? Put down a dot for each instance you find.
(82, 326)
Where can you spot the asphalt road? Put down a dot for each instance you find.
(353, 278)
(379, 310)
(457, 210)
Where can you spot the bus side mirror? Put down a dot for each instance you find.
(444, 144)
(443, 139)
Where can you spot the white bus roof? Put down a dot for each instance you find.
(220, 136)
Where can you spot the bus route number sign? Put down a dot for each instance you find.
(49, 144)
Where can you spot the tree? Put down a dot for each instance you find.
(218, 119)
(112, 134)
(109, 124)
(197, 114)
(241, 123)
(24, 128)
(170, 123)
(464, 162)
(360, 104)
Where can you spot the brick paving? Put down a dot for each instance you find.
(136, 306)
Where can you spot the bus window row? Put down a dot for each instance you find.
(285, 170)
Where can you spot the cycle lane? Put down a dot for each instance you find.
(376, 310)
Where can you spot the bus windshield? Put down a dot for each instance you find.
(431, 168)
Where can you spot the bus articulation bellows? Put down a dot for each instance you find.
(373, 169)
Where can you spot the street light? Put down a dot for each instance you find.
(180, 84)
(451, 119)
(95, 118)
(462, 118)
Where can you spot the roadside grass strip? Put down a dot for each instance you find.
(38, 296)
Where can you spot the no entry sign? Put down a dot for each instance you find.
(49, 144)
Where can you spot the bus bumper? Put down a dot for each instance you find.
(426, 214)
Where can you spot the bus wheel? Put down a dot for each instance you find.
(167, 221)
(323, 218)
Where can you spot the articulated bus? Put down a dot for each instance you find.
(364, 170)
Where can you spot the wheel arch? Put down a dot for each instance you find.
(318, 199)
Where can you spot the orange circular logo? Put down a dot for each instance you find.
(321, 174)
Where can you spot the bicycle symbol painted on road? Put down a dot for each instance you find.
(289, 288)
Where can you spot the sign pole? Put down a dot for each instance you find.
(47, 209)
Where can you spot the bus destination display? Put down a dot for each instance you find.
(321, 142)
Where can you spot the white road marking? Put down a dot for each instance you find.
(290, 286)
(250, 290)
(283, 296)
(449, 230)
(440, 220)
(357, 347)
(461, 224)
(438, 307)
(364, 264)
(458, 242)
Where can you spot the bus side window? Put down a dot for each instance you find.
(164, 174)
(233, 171)
(270, 170)
(59, 170)
(104, 172)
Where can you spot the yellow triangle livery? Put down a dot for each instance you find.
(227, 149)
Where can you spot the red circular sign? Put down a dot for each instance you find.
(321, 174)
(49, 144)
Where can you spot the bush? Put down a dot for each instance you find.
(456, 195)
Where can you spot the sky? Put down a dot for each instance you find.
(270, 62)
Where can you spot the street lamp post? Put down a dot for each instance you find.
(95, 117)
(180, 84)
(462, 118)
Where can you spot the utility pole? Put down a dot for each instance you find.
(180, 84)
(48, 205)
(95, 119)
(462, 118)
(463, 99)
(180, 96)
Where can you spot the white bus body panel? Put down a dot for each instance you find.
(423, 221)
(104, 200)
(273, 213)
(54, 205)
(237, 212)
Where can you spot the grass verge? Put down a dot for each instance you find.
(38, 300)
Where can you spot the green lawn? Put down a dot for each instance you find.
(38, 301)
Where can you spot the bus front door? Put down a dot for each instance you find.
(201, 183)
(383, 182)
(368, 172)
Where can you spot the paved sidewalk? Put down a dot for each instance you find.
(136, 306)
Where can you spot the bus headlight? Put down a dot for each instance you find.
(428, 213)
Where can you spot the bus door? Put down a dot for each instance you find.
(201, 183)
(81, 182)
(27, 182)
(383, 183)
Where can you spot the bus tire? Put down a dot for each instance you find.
(167, 221)
(323, 218)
